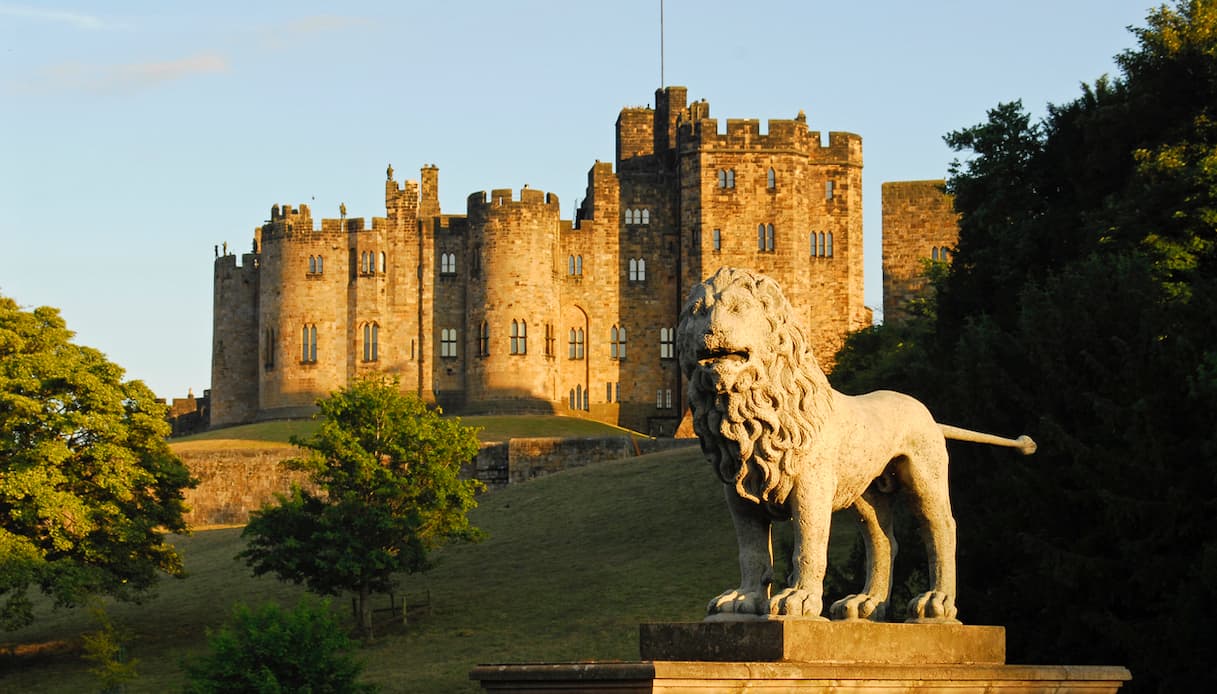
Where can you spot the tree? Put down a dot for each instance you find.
(1078, 307)
(387, 474)
(270, 650)
(88, 486)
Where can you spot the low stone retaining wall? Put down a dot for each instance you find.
(234, 482)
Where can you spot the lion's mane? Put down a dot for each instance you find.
(754, 432)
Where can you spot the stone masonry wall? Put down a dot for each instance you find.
(918, 217)
(233, 483)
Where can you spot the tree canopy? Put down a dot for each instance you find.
(384, 490)
(88, 486)
(1079, 307)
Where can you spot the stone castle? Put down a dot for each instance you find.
(508, 307)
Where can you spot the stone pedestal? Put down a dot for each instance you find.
(808, 656)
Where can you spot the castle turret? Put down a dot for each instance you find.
(235, 337)
(511, 297)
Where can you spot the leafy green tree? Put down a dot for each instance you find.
(88, 486)
(387, 473)
(1079, 307)
(269, 650)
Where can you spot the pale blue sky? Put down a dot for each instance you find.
(135, 136)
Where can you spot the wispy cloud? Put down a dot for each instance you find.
(111, 79)
(291, 32)
(42, 14)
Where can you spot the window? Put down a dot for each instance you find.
(646, 216)
(579, 266)
(771, 181)
(722, 178)
(571, 403)
(667, 347)
(519, 337)
(549, 340)
(447, 342)
(484, 340)
(638, 269)
(608, 392)
(828, 190)
(371, 339)
(579, 343)
(574, 265)
(764, 238)
(726, 178)
(320, 265)
(821, 245)
(663, 399)
(268, 350)
(308, 344)
(312, 264)
(941, 253)
(718, 239)
(384, 262)
(730, 178)
(617, 343)
(447, 263)
(587, 395)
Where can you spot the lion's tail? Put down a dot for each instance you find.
(1024, 444)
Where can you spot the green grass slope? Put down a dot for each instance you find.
(572, 564)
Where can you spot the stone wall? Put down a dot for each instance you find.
(919, 223)
(234, 482)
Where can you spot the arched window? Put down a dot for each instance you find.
(815, 246)
(722, 178)
(447, 342)
(320, 265)
(571, 404)
(828, 248)
(760, 237)
(642, 269)
(633, 273)
(621, 342)
(308, 341)
(570, 265)
(587, 399)
(384, 262)
(934, 253)
(769, 238)
(771, 180)
(578, 395)
(571, 345)
(447, 263)
(312, 263)
(519, 337)
(646, 216)
(371, 340)
(484, 340)
(613, 343)
(730, 178)
(579, 265)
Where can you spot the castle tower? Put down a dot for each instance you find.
(511, 295)
(235, 353)
(920, 225)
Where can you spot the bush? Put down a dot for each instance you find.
(270, 650)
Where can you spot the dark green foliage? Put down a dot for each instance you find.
(1079, 308)
(269, 650)
(88, 486)
(387, 474)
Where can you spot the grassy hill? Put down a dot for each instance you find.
(490, 428)
(572, 564)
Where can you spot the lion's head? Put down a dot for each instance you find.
(756, 392)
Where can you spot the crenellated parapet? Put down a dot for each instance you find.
(787, 135)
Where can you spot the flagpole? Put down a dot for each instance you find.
(661, 82)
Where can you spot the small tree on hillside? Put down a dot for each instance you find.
(387, 471)
(88, 486)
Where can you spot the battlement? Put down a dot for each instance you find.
(782, 134)
(506, 196)
(286, 213)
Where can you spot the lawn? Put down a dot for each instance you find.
(573, 562)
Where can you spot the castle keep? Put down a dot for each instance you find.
(508, 307)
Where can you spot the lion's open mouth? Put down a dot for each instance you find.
(706, 357)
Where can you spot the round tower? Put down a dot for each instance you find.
(302, 313)
(512, 302)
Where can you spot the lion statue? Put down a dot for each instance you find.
(789, 447)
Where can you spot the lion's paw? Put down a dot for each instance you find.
(860, 606)
(738, 602)
(933, 606)
(795, 602)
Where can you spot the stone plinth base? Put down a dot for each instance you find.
(805, 640)
(662, 677)
(808, 656)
